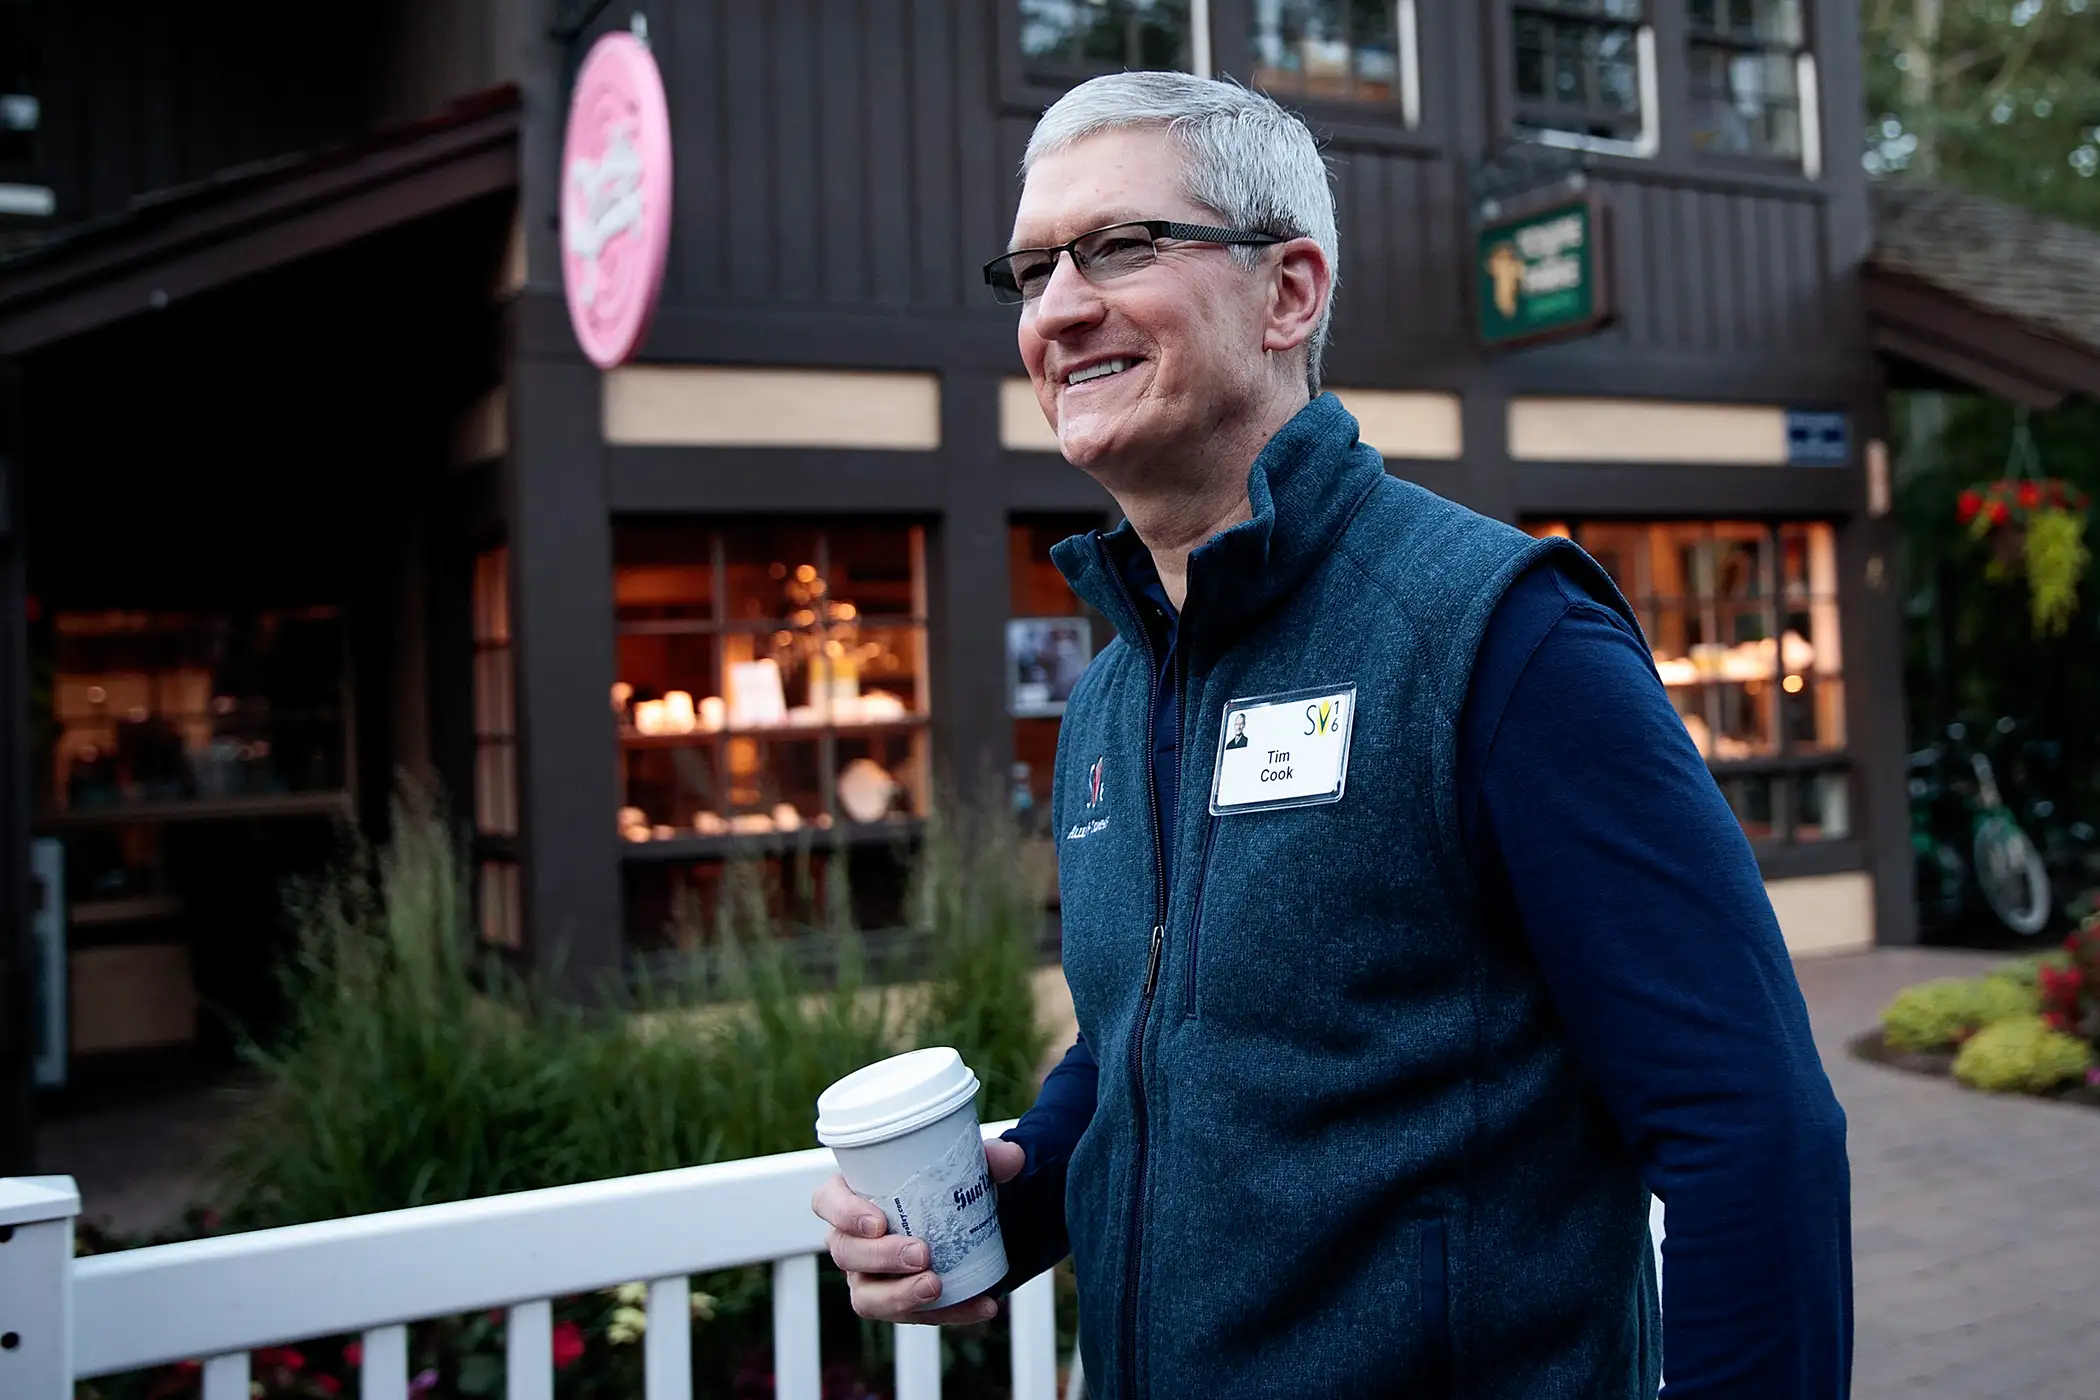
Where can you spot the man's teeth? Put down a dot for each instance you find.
(1100, 371)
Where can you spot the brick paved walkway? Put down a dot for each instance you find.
(1976, 1220)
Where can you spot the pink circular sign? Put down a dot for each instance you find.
(615, 198)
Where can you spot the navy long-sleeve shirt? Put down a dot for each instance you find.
(1593, 824)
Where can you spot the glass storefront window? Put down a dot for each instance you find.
(1742, 619)
(1333, 50)
(771, 679)
(1074, 37)
(1051, 639)
(157, 709)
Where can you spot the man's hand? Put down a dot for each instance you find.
(886, 1272)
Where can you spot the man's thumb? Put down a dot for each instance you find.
(1004, 1159)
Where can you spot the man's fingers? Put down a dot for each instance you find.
(837, 1206)
(883, 1299)
(961, 1315)
(1004, 1159)
(892, 1254)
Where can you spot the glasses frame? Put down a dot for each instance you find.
(1157, 228)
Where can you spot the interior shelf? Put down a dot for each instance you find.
(772, 843)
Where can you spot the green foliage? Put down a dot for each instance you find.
(980, 912)
(2027, 971)
(2056, 562)
(2023, 1056)
(1939, 1014)
(416, 1071)
(2000, 99)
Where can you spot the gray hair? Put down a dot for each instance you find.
(1246, 158)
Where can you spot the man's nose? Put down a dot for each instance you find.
(1069, 302)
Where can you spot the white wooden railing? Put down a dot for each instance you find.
(216, 1300)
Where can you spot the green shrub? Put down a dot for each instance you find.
(1939, 1014)
(2027, 971)
(416, 1069)
(2021, 1056)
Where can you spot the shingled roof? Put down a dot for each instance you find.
(1985, 293)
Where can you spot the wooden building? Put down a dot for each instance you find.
(290, 372)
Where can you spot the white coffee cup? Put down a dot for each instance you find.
(904, 1131)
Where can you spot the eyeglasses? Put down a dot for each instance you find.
(1100, 256)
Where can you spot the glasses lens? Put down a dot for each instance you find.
(1113, 252)
(1021, 276)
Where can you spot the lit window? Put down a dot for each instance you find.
(1748, 66)
(1742, 618)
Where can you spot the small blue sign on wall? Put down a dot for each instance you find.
(1815, 439)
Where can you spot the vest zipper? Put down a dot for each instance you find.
(1134, 1256)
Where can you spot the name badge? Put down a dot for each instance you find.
(1283, 750)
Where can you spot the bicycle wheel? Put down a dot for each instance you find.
(2010, 873)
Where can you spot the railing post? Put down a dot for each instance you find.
(36, 1286)
(1032, 1312)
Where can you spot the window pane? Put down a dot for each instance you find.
(1579, 74)
(1105, 35)
(1822, 807)
(1752, 799)
(1744, 100)
(1341, 50)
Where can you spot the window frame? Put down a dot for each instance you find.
(1527, 118)
(1341, 117)
(715, 529)
(1789, 766)
(25, 191)
(1807, 96)
(1027, 86)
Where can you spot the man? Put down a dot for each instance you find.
(1390, 1024)
(1239, 731)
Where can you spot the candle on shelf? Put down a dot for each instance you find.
(649, 716)
(622, 692)
(712, 712)
(678, 712)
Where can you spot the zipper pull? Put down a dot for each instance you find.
(1159, 940)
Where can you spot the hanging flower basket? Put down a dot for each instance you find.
(2034, 526)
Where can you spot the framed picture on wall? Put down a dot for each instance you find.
(1044, 659)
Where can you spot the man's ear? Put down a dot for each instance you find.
(1298, 292)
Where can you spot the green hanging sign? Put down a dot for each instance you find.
(1543, 275)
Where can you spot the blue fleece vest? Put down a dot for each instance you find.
(1342, 1146)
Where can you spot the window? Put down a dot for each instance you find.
(1051, 638)
(1742, 618)
(1078, 38)
(21, 114)
(495, 751)
(771, 683)
(1357, 51)
(1747, 72)
(1585, 73)
(160, 712)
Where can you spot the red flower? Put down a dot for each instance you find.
(329, 1384)
(354, 1354)
(2030, 496)
(289, 1358)
(2058, 1021)
(189, 1368)
(1965, 507)
(1999, 513)
(568, 1345)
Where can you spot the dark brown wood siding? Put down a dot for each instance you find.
(860, 157)
(140, 96)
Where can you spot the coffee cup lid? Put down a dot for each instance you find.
(893, 1097)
